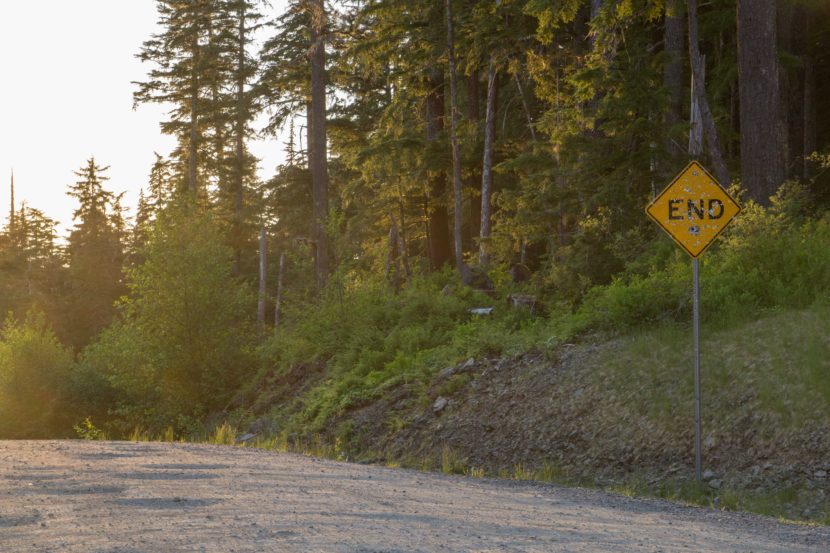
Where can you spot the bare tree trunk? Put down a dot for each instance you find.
(596, 7)
(318, 162)
(217, 122)
(240, 143)
(402, 233)
(427, 221)
(309, 135)
(404, 256)
(530, 125)
(11, 208)
(437, 215)
(473, 178)
(559, 180)
(193, 146)
(762, 155)
(278, 297)
(263, 289)
(785, 14)
(707, 119)
(795, 31)
(733, 146)
(456, 155)
(809, 116)
(487, 165)
(674, 36)
(696, 120)
(528, 116)
(393, 256)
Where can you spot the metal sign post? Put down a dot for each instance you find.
(696, 323)
(694, 209)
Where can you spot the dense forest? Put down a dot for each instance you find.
(440, 156)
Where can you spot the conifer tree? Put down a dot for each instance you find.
(161, 185)
(318, 160)
(32, 268)
(183, 56)
(244, 107)
(95, 253)
(456, 154)
(285, 77)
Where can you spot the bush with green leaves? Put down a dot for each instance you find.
(184, 340)
(35, 371)
(370, 340)
(768, 258)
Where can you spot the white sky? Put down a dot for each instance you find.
(66, 95)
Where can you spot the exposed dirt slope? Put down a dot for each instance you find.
(507, 413)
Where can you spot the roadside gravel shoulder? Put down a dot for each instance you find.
(79, 496)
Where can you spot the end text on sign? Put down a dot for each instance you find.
(695, 209)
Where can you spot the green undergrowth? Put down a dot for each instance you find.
(767, 259)
(372, 341)
(782, 503)
(369, 341)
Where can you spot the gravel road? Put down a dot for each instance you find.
(156, 498)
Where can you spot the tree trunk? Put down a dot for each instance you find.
(438, 218)
(278, 297)
(239, 174)
(809, 116)
(786, 78)
(762, 155)
(795, 31)
(263, 289)
(402, 232)
(393, 256)
(217, 120)
(674, 36)
(309, 135)
(695, 116)
(596, 8)
(487, 164)
(525, 107)
(699, 91)
(473, 179)
(11, 209)
(318, 162)
(193, 146)
(696, 120)
(456, 155)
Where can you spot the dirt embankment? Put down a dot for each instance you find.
(96, 497)
(530, 411)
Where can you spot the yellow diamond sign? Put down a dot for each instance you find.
(694, 209)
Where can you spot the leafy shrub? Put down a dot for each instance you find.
(183, 343)
(88, 431)
(35, 372)
(370, 340)
(768, 258)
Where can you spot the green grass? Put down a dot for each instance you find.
(776, 365)
(452, 463)
(224, 434)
